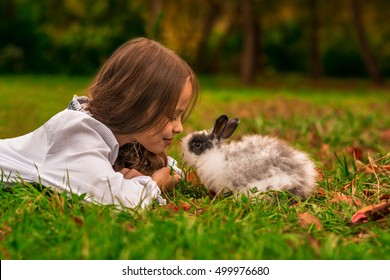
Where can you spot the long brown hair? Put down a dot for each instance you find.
(138, 88)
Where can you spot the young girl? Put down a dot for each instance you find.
(110, 144)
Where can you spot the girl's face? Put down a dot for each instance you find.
(156, 140)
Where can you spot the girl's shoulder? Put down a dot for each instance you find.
(76, 126)
(63, 117)
(75, 120)
(70, 121)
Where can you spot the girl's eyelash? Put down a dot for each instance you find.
(174, 117)
(171, 118)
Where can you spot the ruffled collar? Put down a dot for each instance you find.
(79, 103)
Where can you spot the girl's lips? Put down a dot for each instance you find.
(168, 141)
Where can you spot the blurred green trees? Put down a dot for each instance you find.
(67, 36)
(316, 37)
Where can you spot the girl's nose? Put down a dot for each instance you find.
(177, 127)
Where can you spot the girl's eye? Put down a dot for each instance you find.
(174, 117)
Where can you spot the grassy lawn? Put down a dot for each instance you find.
(343, 125)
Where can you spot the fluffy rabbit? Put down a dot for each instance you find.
(254, 164)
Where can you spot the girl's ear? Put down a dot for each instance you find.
(219, 126)
(230, 128)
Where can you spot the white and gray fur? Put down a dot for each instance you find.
(254, 164)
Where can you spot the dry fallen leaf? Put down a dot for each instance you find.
(306, 219)
(184, 205)
(314, 243)
(340, 197)
(325, 148)
(370, 170)
(4, 230)
(321, 192)
(372, 167)
(385, 197)
(193, 178)
(79, 221)
(171, 207)
(385, 135)
(130, 227)
(351, 200)
(372, 212)
(175, 208)
(363, 235)
(356, 152)
(315, 135)
(320, 175)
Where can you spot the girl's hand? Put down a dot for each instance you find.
(166, 178)
(130, 173)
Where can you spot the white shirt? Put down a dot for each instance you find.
(75, 152)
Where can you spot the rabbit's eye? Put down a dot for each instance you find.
(196, 148)
(196, 145)
(199, 143)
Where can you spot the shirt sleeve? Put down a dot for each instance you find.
(172, 163)
(81, 152)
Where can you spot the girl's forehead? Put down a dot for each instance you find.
(185, 97)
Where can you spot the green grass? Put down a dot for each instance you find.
(328, 121)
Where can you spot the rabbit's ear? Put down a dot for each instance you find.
(219, 125)
(230, 128)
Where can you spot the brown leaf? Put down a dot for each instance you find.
(351, 200)
(200, 211)
(306, 219)
(357, 152)
(320, 175)
(385, 135)
(4, 230)
(371, 212)
(314, 243)
(321, 192)
(130, 227)
(184, 205)
(363, 235)
(359, 217)
(374, 169)
(171, 206)
(325, 148)
(315, 136)
(385, 197)
(369, 170)
(193, 178)
(79, 221)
